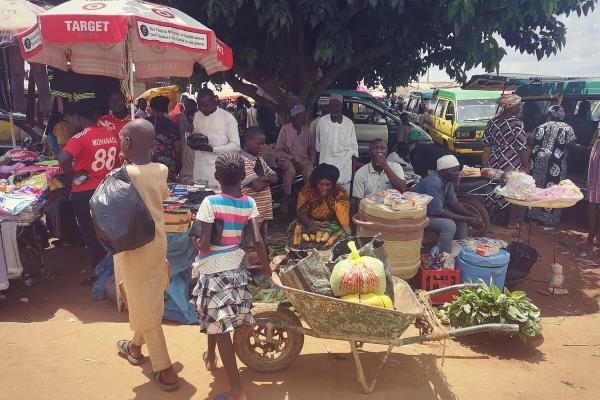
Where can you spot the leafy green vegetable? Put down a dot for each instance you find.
(486, 304)
(272, 295)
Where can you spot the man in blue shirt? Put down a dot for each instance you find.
(447, 216)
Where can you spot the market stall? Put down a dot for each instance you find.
(26, 180)
(521, 190)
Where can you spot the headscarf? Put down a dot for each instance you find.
(509, 102)
(324, 171)
(556, 113)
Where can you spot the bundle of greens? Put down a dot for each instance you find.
(486, 304)
(272, 295)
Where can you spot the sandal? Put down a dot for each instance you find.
(210, 366)
(123, 348)
(165, 386)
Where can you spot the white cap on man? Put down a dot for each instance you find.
(299, 109)
(447, 162)
(336, 97)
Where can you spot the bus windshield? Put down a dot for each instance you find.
(476, 110)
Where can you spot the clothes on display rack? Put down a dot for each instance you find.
(14, 203)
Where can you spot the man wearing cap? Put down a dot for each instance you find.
(336, 140)
(295, 150)
(447, 216)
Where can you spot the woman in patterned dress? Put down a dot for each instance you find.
(593, 192)
(322, 200)
(551, 141)
(505, 144)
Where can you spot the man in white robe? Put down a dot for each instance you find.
(336, 140)
(221, 129)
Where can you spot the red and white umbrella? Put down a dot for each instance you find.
(15, 17)
(104, 37)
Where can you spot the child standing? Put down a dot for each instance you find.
(224, 302)
(144, 270)
(259, 176)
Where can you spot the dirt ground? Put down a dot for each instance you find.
(61, 345)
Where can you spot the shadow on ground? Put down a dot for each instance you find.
(416, 377)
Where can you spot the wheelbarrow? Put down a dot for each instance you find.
(276, 339)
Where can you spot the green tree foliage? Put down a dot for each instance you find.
(290, 50)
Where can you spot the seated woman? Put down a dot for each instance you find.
(322, 200)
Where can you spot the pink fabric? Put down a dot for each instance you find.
(21, 155)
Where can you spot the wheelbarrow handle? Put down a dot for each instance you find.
(498, 328)
(451, 288)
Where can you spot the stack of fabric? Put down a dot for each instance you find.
(24, 178)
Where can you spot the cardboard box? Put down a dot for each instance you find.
(177, 221)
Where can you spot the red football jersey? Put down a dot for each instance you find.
(113, 123)
(96, 152)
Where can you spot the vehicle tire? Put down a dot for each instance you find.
(268, 349)
(475, 206)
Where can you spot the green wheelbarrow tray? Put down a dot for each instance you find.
(278, 335)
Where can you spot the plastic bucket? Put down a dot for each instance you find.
(522, 259)
(492, 270)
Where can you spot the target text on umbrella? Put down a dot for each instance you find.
(87, 26)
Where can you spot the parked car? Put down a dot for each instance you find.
(417, 105)
(456, 118)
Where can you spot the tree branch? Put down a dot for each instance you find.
(247, 89)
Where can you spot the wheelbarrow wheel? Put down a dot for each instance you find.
(267, 348)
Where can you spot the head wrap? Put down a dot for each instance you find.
(509, 101)
(296, 110)
(447, 162)
(556, 113)
(160, 104)
(324, 171)
(336, 96)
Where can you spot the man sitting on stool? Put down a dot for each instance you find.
(447, 216)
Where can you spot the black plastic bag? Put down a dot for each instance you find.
(121, 218)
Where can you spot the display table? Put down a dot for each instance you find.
(22, 242)
(540, 204)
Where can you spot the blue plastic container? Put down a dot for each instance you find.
(489, 269)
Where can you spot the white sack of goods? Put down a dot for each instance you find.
(357, 275)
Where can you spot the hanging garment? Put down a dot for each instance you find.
(16, 86)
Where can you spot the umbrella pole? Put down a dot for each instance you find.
(12, 129)
(130, 63)
(10, 101)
